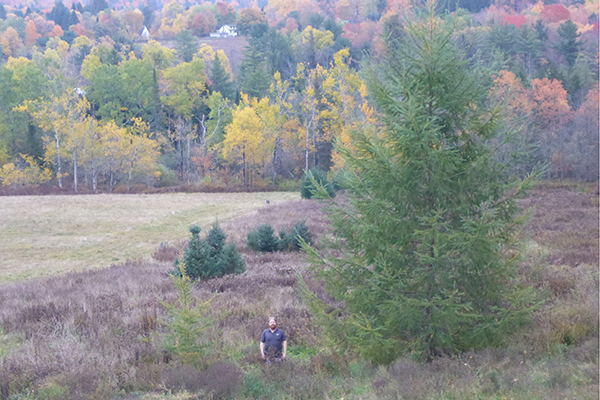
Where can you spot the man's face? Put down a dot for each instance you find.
(272, 324)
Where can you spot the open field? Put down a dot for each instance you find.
(102, 333)
(46, 235)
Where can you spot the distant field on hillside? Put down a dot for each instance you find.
(47, 235)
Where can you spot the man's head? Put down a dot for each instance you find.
(272, 323)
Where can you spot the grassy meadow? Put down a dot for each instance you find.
(46, 235)
(102, 333)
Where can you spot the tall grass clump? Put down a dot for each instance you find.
(211, 257)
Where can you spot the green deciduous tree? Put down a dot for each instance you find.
(429, 226)
(184, 94)
(20, 80)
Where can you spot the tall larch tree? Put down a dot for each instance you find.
(431, 213)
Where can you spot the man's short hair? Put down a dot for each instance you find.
(272, 318)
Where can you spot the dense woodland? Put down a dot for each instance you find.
(87, 103)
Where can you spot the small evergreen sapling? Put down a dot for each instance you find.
(187, 322)
(263, 238)
(212, 257)
(300, 232)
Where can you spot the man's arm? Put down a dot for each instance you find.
(284, 349)
(262, 350)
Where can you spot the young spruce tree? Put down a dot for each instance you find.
(429, 226)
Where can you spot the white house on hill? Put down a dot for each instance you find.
(144, 34)
(225, 31)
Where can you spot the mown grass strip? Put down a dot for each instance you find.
(46, 235)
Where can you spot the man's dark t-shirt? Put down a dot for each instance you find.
(274, 340)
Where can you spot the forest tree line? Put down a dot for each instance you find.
(84, 101)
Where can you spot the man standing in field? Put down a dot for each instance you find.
(273, 343)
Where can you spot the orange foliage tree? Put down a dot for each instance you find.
(540, 116)
(57, 31)
(31, 34)
(549, 105)
(249, 17)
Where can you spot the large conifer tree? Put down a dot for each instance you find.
(220, 81)
(431, 214)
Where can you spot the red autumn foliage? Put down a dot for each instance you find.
(516, 20)
(222, 9)
(360, 34)
(202, 24)
(57, 31)
(80, 30)
(290, 25)
(555, 13)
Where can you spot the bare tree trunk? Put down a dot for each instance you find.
(275, 158)
(129, 178)
(244, 162)
(94, 177)
(187, 159)
(314, 140)
(306, 154)
(75, 171)
(58, 166)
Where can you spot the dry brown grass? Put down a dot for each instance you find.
(563, 262)
(95, 333)
(565, 222)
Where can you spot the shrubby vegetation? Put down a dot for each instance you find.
(263, 238)
(211, 257)
(105, 333)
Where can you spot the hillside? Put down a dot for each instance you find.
(178, 104)
(101, 333)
